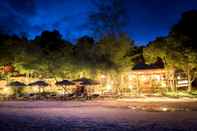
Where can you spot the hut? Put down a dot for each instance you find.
(147, 80)
(151, 78)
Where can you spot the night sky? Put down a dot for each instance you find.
(147, 18)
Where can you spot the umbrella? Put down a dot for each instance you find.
(82, 83)
(86, 81)
(64, 83)
(17, 85)
(41, 84)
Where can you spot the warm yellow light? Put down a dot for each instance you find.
(178, 77)
(108, 86)
(103, 76)
(157, 77)
(143, 77)
(7, 91)
(131, 77)
(164, 109)
(130, 87)
(163, 84)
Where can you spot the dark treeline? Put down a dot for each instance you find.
(50, 55)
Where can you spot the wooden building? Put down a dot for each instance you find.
(154, 78)
(147, 80)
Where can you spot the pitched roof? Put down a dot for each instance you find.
(147, 66)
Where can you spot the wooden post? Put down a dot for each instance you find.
(138, 85)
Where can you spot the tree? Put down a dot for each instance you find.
(186, 29)
(184, 32)
(188, 63)
(109, 17)
(174, 54)
(163, 48)
(114, 57)
(49, 41)
(83, 49)
(56, 54)
(115, 53)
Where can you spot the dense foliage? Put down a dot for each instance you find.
(178, 49)
(49, 55)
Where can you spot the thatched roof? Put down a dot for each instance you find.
(146, 67)
(39, 83)
(158, 64)
(16, 84)
(86, 81)
(64, 83)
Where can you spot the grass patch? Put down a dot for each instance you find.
(192, 94)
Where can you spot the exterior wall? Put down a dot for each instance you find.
(156, 80)
(147, 81)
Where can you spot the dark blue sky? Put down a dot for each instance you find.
(147, 18)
